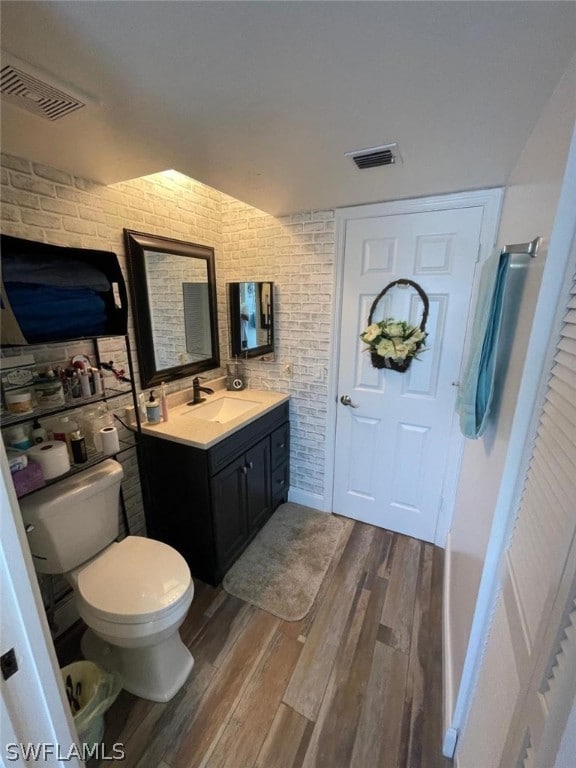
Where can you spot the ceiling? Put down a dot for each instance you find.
(262, 100)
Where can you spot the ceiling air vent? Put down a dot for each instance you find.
(374, 157)
(27, 88)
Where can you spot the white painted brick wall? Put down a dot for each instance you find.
(296, 252)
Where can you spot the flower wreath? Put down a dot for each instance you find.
(394, 343)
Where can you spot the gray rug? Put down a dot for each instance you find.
(282, 569)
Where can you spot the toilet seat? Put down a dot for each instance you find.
(135, 581)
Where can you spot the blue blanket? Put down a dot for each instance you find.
(477, 386)
(48, 313)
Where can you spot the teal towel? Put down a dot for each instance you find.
(477, 386)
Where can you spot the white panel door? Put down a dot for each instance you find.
(392, 448)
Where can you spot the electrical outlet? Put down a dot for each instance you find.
(287, 370)
(321, 374)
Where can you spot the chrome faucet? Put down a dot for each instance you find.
(197, 389)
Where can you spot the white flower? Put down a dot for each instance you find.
(385, 348)
(400, 352)
(371, 333)
(395, 329)
(417, 335)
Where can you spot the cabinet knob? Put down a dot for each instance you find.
(280, 483)
(250, 465)
(244, 470)
(280, 445)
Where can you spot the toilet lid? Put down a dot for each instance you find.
(135, 578)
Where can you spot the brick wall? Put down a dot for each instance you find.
(296, 252)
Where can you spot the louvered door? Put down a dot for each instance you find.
(197, 320)
(540, 581)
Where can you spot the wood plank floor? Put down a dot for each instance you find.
(355, 684)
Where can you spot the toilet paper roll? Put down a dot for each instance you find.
(110, 441)
(52, 456)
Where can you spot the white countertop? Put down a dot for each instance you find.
(185, 426)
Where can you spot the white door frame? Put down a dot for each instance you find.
(34, 705)
(491, 201)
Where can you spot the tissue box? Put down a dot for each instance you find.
(28, 479)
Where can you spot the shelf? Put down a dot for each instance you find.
(94, 457)
(113, 389)
(64, 342)
(10, 419)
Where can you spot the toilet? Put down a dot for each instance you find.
(133, 595)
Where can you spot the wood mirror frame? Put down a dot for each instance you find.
(173, 292)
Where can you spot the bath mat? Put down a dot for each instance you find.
(282, 569)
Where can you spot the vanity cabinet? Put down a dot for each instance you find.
(209, 503)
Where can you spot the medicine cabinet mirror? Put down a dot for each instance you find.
(173, 290)
(251, 318)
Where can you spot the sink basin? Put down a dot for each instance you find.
(222, 410)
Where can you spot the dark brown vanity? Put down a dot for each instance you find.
(210, 480)
(209, 503)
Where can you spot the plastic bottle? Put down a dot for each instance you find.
(164, 402)
(62, 431)
(153, 409)
(142, 407)
(39, 434)
(85, 384)
(19, 439)
(75, 384)
(97, 379)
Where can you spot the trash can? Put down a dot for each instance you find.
(91, 691)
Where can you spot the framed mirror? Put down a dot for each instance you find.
(251, 318)
(173, 290)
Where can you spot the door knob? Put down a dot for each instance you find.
(345, 400)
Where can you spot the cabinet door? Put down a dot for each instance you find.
(229, 509)
(258, 494)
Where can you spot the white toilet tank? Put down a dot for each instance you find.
(74, 519)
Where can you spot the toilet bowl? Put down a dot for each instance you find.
(133, 595)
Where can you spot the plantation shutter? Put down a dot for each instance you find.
(196, 305)
(540, 592)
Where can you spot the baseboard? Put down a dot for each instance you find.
(307, 499)
(447, 655)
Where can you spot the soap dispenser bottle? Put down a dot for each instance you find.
(153, 409)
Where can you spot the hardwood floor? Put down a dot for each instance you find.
(357, 683)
